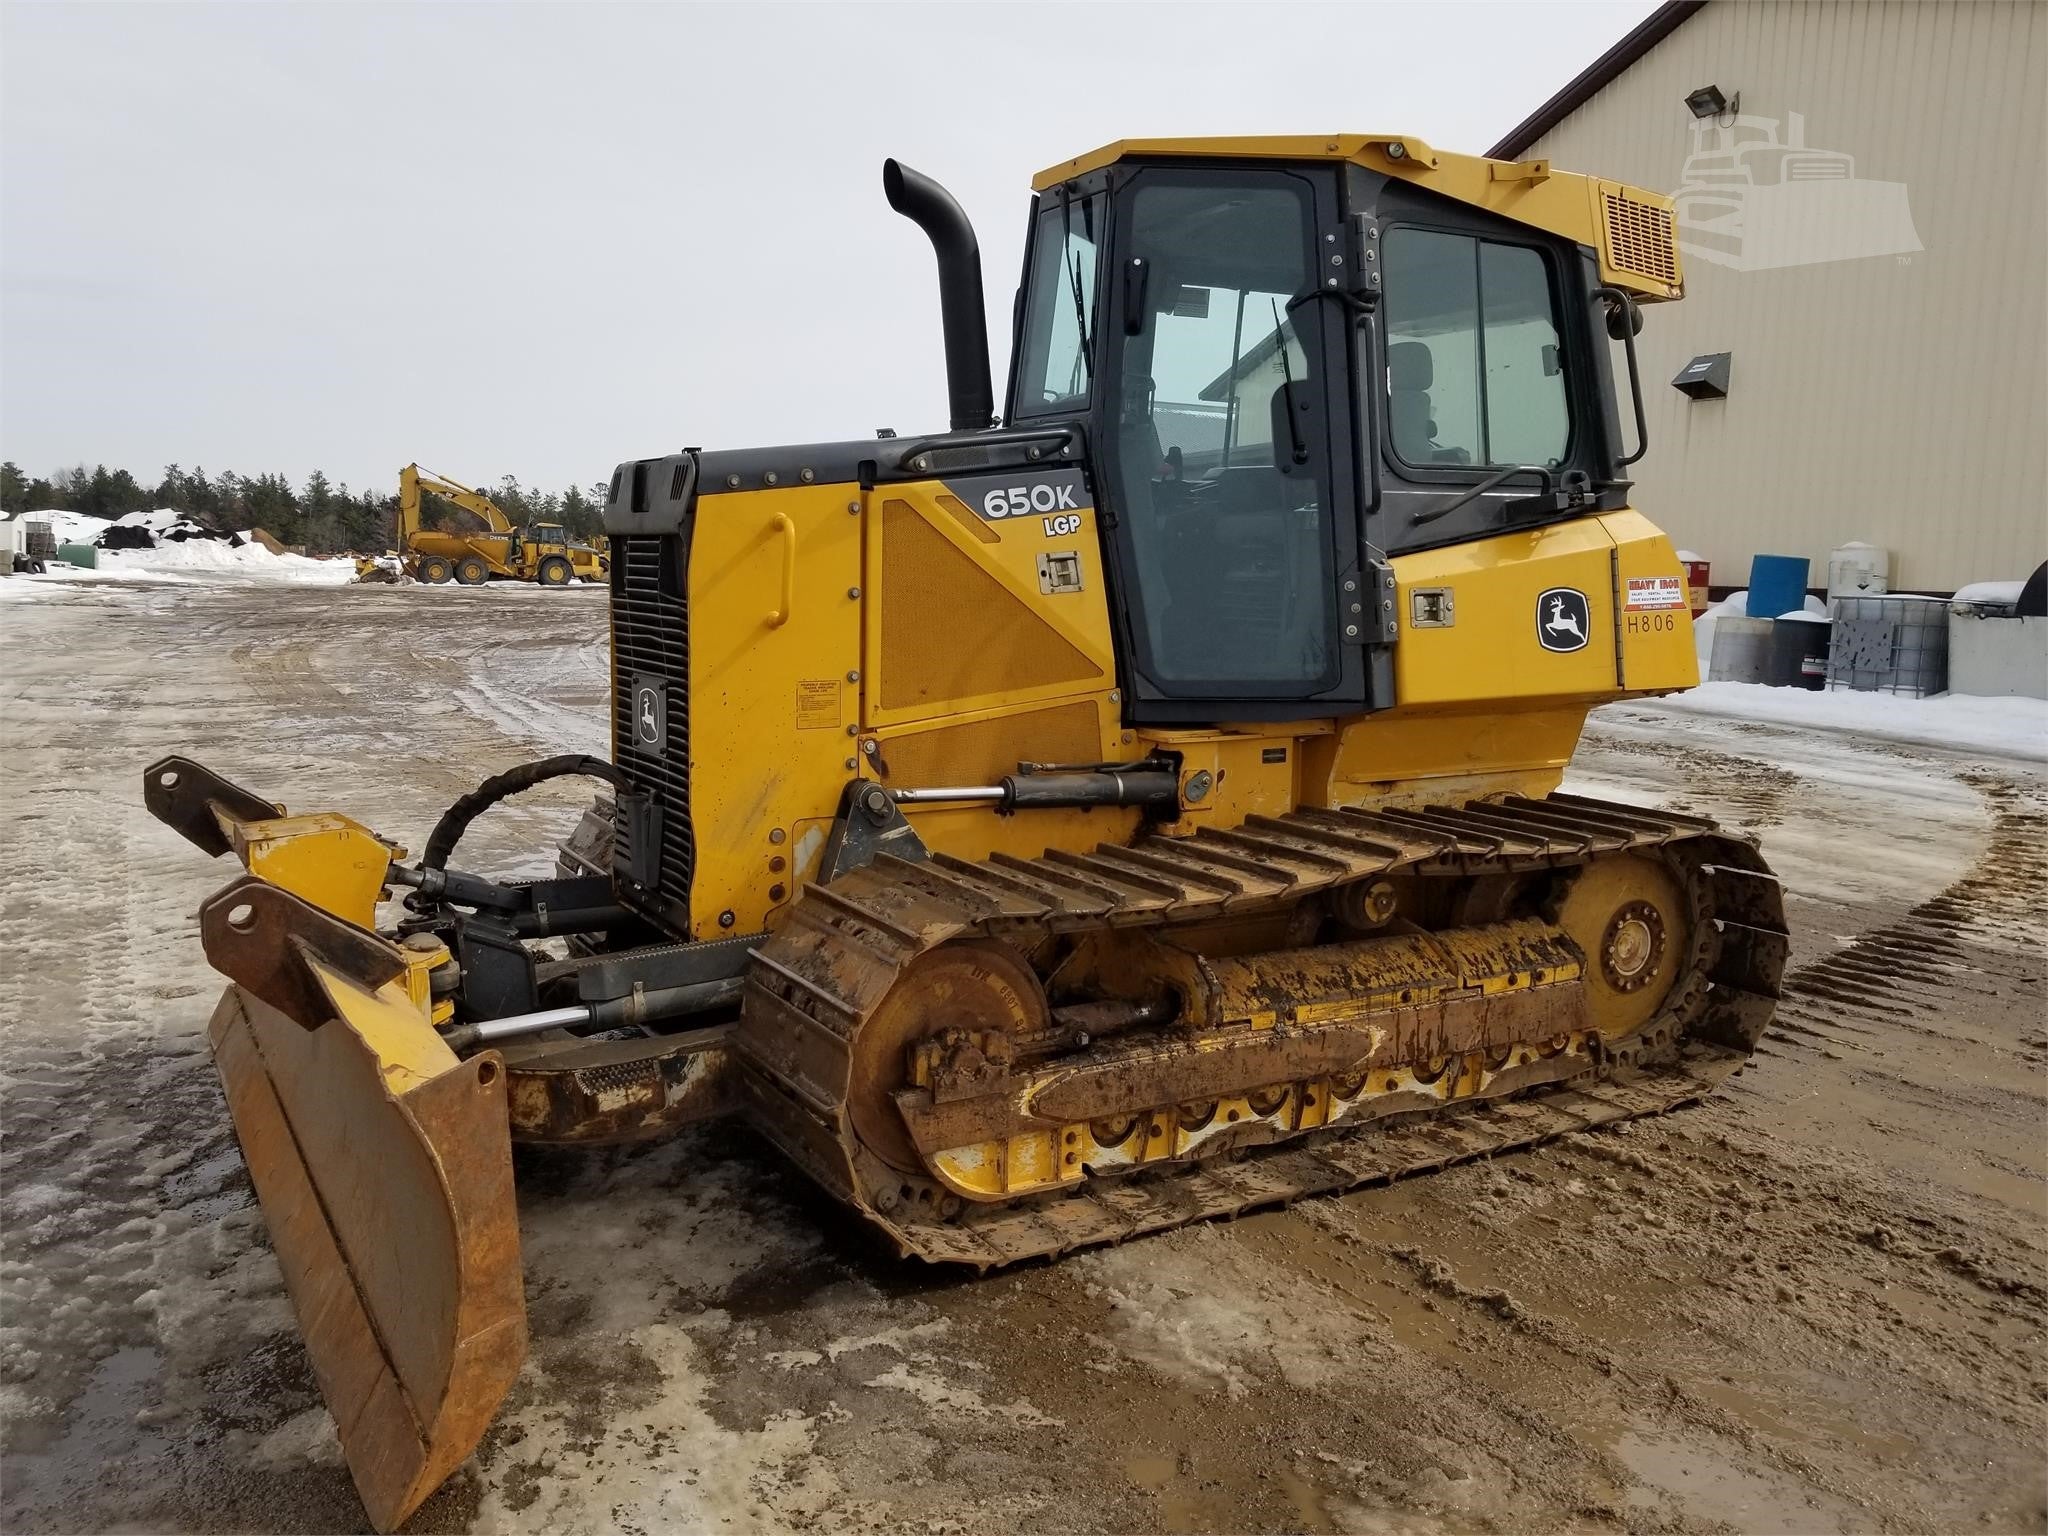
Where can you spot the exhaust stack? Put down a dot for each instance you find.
(932, 208)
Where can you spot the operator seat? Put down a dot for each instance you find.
(1410, 416)
(1138, 431)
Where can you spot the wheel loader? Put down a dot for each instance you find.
(1045, 832)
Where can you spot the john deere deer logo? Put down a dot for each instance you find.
(1563, 619)
(650, 717)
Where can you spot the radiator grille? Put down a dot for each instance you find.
(1641, 239)
(651, 639)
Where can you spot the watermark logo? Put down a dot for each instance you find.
(1752, 199)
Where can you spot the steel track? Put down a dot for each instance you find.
(816, 983)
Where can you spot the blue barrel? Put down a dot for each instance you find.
(1777, 584)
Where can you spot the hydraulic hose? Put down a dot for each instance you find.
(456, 819)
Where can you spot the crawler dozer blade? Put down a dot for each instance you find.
(384, 1168)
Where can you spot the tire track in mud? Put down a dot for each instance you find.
(1746, 792)
(1982, 936)
(446, 699)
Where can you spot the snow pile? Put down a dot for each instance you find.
(221, 557)
(69, 527)
(167, 546)
(162, 520)
(1995, 727)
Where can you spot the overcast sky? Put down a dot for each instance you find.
(539, 239)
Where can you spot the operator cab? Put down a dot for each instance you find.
(1291, 367)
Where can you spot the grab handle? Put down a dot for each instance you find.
(782, 525)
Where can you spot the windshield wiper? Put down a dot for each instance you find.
(1082, 329)
(1287, 376)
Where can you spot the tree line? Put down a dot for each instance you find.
(319, 516)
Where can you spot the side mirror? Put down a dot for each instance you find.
(1624, 320)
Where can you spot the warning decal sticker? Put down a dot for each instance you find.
(817, 704)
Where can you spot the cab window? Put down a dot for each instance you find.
(1056, 370)
(1474, 368)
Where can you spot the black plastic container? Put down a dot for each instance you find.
(1799, 653)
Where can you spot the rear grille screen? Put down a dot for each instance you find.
(1641, 239)
(651, 640)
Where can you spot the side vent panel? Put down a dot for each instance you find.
(952, 631)
(1642, 239)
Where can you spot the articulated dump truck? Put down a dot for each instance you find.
(1049, 832)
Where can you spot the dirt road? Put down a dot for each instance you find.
(1814, 1304)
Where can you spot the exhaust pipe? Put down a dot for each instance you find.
(931, 207)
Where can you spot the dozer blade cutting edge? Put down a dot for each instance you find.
(383, 1164)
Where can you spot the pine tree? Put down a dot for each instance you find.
(321, 516)
(13, 489)
(267, 502)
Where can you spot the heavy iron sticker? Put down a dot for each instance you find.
(1655, 592)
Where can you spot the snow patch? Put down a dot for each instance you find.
(1994, 593)
(307, 1438)
(1207, 1313)
(690, 1474)
(954, 1398)
(2000, 727)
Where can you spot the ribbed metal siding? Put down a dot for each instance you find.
(1894, 399)
(651, 638)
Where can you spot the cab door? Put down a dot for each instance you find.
(1225, 429)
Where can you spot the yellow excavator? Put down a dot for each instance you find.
(499, 550)
(1142, 809)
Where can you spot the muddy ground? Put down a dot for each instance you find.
(1814, 1304)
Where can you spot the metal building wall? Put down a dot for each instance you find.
(1896, 397)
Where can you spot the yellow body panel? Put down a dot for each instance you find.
(334, 862)
(1490, 650)
(1529, 191)
(1657, 651)
(1254, 770)
(782, 714)
(774, 691)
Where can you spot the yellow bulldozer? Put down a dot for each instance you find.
(1046, 832)
(497, 550)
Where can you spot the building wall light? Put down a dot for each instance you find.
(1711, 101)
